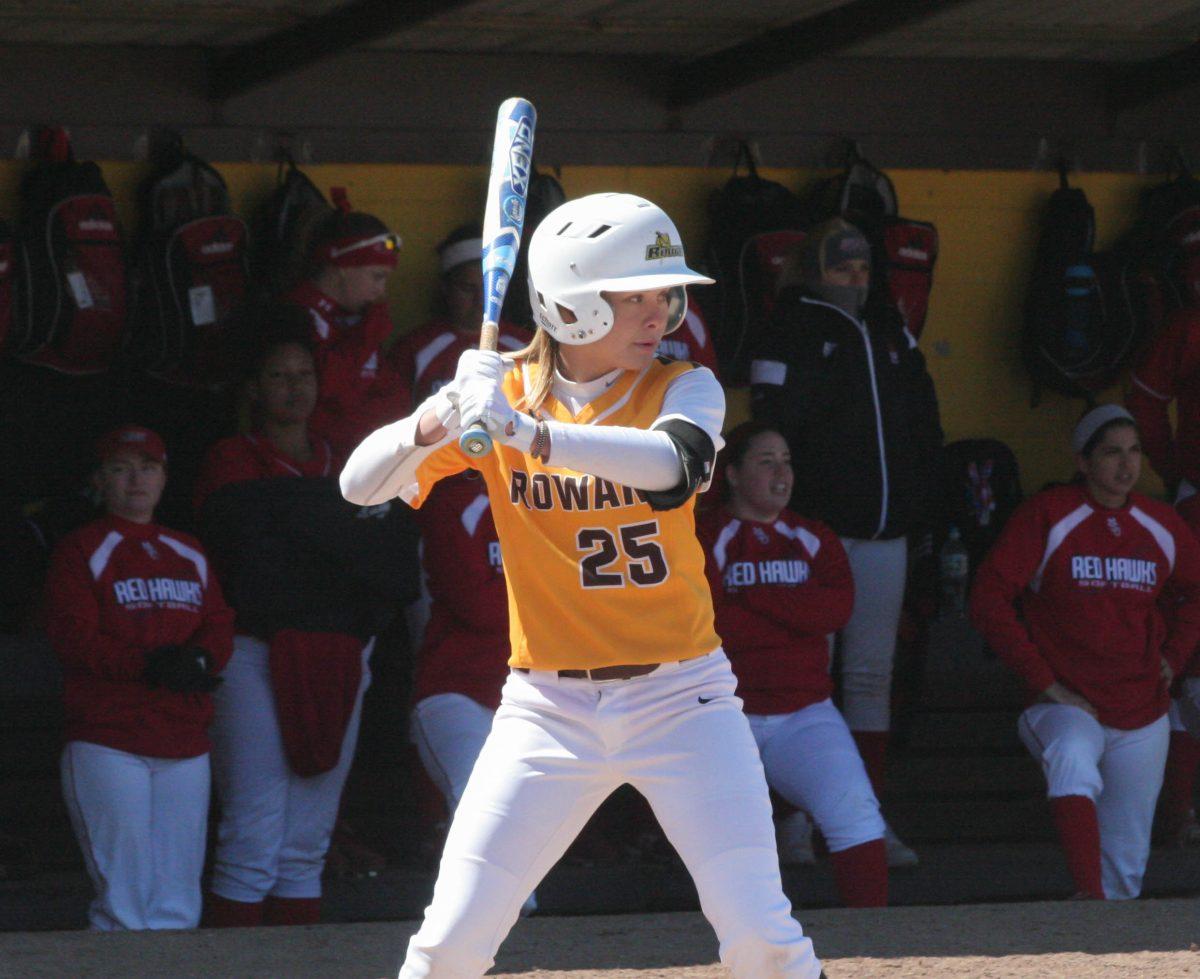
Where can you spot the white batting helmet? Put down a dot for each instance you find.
(603, 243)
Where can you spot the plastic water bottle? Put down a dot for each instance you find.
(955, 568)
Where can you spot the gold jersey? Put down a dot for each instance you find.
(595, 576)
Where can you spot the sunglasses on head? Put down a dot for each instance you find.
(388, 240)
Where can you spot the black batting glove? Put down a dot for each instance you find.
(181, 669)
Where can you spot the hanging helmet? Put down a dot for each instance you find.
(603, 243)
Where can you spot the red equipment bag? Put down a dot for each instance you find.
(72, 304)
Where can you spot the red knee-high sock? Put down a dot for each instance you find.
(1079, 832)
(861, 875)
(873, 746)
(1179, 781)
(292, 911)
(221, 912)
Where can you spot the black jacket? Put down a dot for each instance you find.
(859, 412)
(293, 554)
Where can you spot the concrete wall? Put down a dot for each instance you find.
(379, 106)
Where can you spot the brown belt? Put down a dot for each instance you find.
(604, 672)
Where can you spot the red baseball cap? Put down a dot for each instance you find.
(131, 438)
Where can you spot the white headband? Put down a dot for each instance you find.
(1095, 419)
(461, 252)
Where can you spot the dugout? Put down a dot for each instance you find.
(967, 104)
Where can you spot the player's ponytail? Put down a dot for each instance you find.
(542, 354)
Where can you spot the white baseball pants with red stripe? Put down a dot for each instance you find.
(275, 825)
(558, 747)
(141, 825)
(812, 761)
(449, 730)
(1120, 771)
(868, 643)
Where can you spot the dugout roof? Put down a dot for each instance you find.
(1150, 46)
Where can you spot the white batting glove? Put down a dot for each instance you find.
(444, 404)
(481, 399)
(479, 363)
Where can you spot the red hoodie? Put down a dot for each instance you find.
(692, 341)
(115, 591)
(359, 389)
(427, 358)
(778, 589)
(1070, 593)
(466, 644)
(242, 458)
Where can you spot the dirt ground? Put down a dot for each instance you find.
(1064, 940)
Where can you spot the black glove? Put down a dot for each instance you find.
(181, 669)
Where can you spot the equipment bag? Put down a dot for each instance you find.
(760, 267)
(910, 250)
(903, 251)
(1074, 339)
(545, 194)
(192, 272)
(1169, 228)
(738, 306)
(7, 278)
(283, 229)
(72, 301)
(1157, 262)
(862, 194)
(981, 488)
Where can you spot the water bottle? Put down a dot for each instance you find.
(955, 567)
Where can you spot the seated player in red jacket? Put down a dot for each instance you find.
(781, 584)
(351, 257)
(136, 616)
(300, 568)
(427, 358)
(1070, 599)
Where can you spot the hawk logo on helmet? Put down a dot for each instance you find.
(662, 248)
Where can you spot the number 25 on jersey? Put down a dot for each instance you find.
(634, 544)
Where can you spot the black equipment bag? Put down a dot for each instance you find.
(752, 224)
(283, 229)
(1157, 262)
(193, 272)
(861, 193)
(545, 194)
(1075, 340)
(71, 304)
(981, 489)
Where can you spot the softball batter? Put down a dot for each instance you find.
(617, 675)
(1069, 598)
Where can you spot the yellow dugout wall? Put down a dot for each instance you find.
(987, 221)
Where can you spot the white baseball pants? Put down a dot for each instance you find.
(140, 823)
(811, 760)
(449, 730)
(868, 643)
(275, 825)
(558, 747)
(1120, 771)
